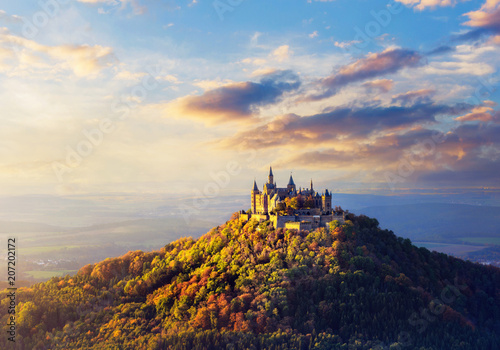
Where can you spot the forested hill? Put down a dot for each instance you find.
(244, 285)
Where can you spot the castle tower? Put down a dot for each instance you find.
(312, 190)
(317, 200)
(269, 187)
(326, 200)
(291, 185)
(270, 178)
(255, 197)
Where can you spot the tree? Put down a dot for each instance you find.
(309, 202)
(300, 201)
(280, 207)
(26, 317)
(333, 225)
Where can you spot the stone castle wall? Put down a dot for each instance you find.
(299, 226)
(280, 221)
(293, 221)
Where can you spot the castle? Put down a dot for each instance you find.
(287, 207)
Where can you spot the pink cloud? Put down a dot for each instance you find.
(373, 65)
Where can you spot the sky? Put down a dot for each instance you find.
(201, 97)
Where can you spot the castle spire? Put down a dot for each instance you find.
(311, 185)
(291, 185)
(255, 188)
(270, 178)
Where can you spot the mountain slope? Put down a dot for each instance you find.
(245, 285)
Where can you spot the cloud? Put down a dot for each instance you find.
(278, 55)
(466, 60)
(440, 50)
(254, 39)
(423, 4)
(126, 75)
(375, 64)
(263, 71)
(5, 17)
(30, 169)
(470, 156)
(461, 67)
(254, 61)
(237, 100)
(488, 16)
(495, 40)
(486, 21)
(136, 7)
(327, 159)
(6, 56)
(382, 85)
(481, 113)
(212, 84)
(379, 154)
(83, 60)
(282, 53)
(338, 125)
(413, 97)
(171, 79)
(346, 44)
(313, 34)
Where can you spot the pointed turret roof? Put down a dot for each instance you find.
(255, 188)
(290, 182)
(271, 171)
(311, 184)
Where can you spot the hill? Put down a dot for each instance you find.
(245, 285)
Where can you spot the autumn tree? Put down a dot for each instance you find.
(309, 202)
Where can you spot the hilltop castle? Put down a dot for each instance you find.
(302, 209)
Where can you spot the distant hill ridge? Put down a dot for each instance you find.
(437, 221)
(246, 285)
(13, 227)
